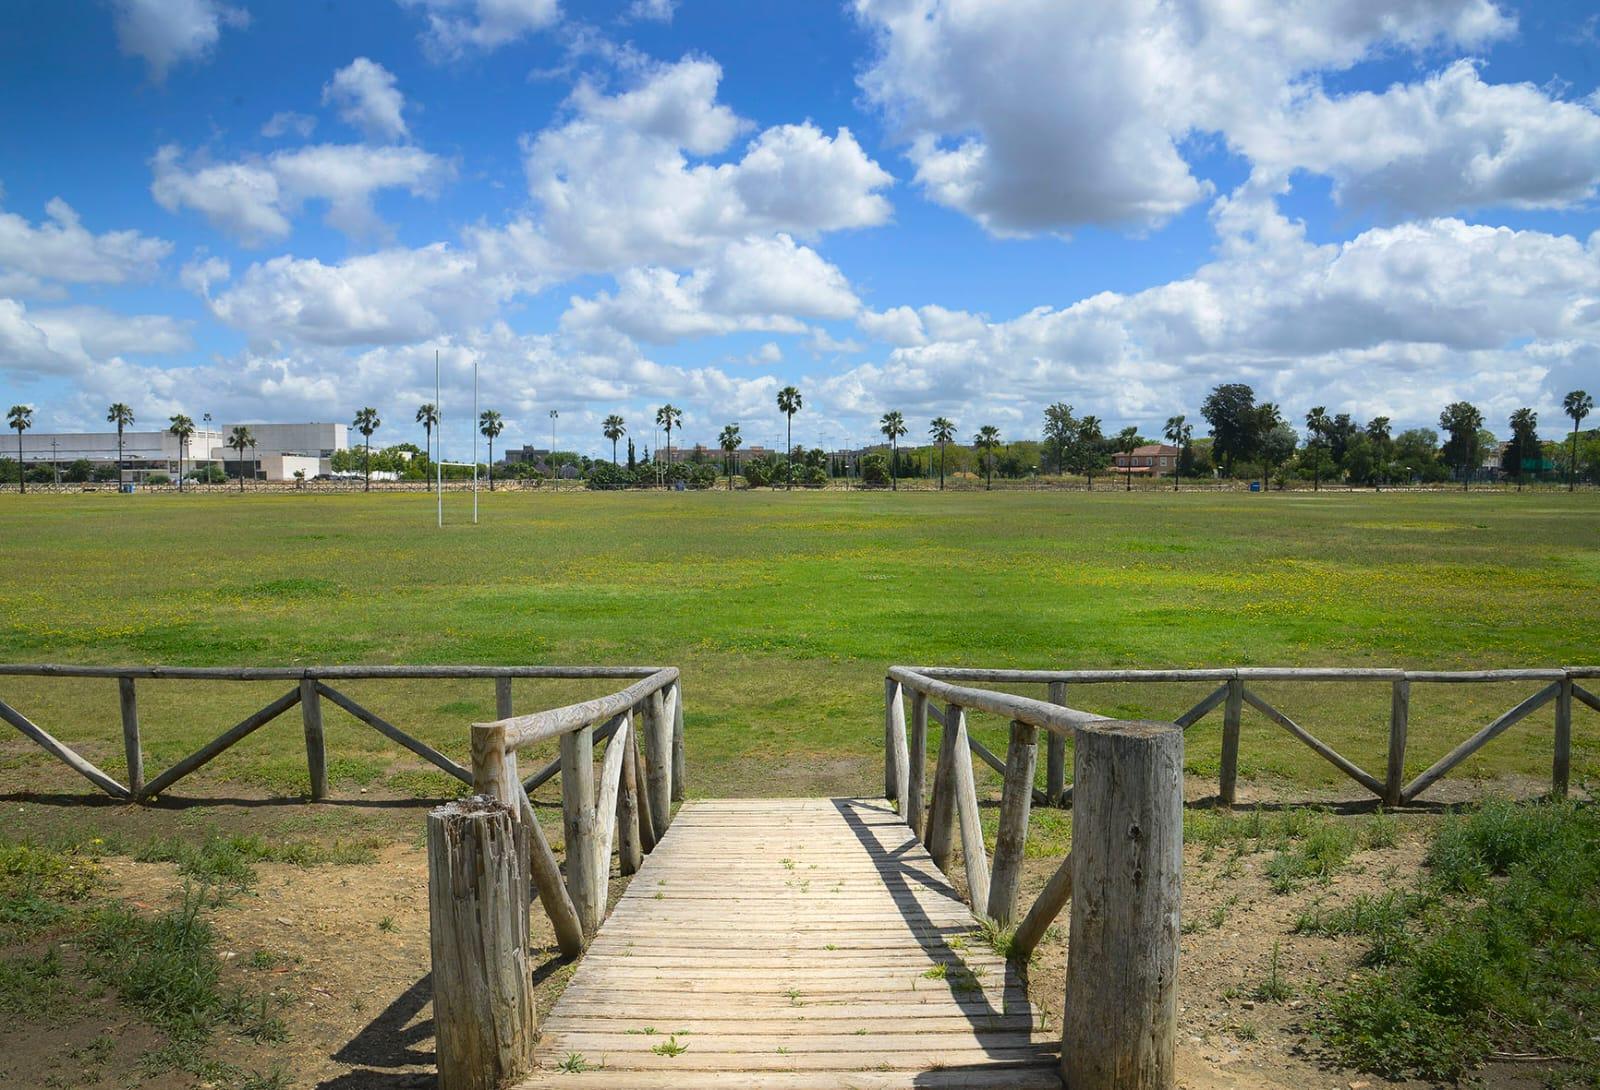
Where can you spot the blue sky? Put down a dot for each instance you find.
(283, 211)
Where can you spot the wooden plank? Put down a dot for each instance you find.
(250, 723)
(1481, 738)
(63, 752)
(1011, 839)
(1317, 745)
(129, 706)
(946, 1078)
(394, 733)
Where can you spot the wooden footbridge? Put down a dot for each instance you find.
(811, 943)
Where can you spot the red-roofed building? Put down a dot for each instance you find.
(1153, 459)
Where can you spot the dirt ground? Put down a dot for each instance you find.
(341, 952)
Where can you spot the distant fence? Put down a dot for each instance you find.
(310, 686)
(1559, 685)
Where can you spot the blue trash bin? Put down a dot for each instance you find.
(1255, 486)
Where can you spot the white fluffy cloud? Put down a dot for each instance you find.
(35, 257)
(165, 32)
(753, 284)
(255, 199)
(68, 340)
(456, 27)
(1038, 116)
(367, 96)
(615, 186)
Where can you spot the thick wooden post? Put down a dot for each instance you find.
(647, 825)
(1233, 711)
(658, 761)
(917, 762)
(316, 747)
(130, 735)
(891, 700)
(1055, 760)
(502, 698)
(680, 759)
(578, 825)
(899, 756)
(1121, 1008)
(973, 857)
(1394, 778)
(478, 898)
(942, 808)
(630, 849)
(1015, 804)
(1561, 767)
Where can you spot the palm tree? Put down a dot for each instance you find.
(987, 439)
(1577, 405)
(1127, 443)
(1317, 425)
(1380, 436)
(366, 422)
(1177, 432)
(237, 440)
(613, 428)
(183, 427)
(490, 426)
(729, 442)
(941, 430)
(893, 426)
(428, 417)
(1091, 440)
(120, 415)
(21, 418)
(668, 417)
(788, 405)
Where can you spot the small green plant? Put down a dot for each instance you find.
(936, 972)
(1002, 940)
(387, 924)
(794, 997)
(574, 1063)
(669, 1047)
(1274, 989)
(1246, 1031)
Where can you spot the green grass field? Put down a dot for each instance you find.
(783, 610)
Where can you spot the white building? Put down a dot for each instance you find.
(279, 450)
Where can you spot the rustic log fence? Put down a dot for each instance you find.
(308, 687)
(486, 852)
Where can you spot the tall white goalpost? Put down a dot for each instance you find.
(440, 463)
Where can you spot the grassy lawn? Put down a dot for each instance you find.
(783, 610)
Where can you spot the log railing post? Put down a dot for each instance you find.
(680, 759)
(891, 700)
(130, 735)
(1233, 711)
(917, 765)
(942, 807)
(316, 745)
(1120, 1020)
(1561, 766)
(899, 757)
(1394, 778)
(478, 897)
(658, 761)
(630, 848)
(1012, 837)
(502, 698)
(1055, 761)
(578, 825)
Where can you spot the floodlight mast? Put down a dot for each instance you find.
(474, 441)
(438, 412)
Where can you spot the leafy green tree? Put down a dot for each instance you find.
(1088, 450)
(614, 428)
(1060, 431)
(1275, 446)
(942, 431)
(1524, 446)
(182, 427)
(1462, 421)
(1317, 429)
(79, 471)
(1382, 443)
(788, 404)
(122, 416)
(490, 425)
(1577, 404)
(1416, 453)
(669, 416)
(729, 441)
(20, 418)
(1177, 432)
(238, 439)
(1360, 459)
(893, 426)
(428, 417)
(1231, 411)
(366, 422)
(987, 439)
(1126, 442)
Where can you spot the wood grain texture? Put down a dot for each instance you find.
(795, 944)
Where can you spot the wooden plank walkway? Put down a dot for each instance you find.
(794, 944)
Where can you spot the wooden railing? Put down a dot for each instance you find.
(1126, 863)
(310, 685)
(485, 853)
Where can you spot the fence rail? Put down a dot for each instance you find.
(310, 686)
(484, 853)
